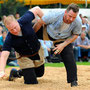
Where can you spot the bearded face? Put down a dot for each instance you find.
(69, 16)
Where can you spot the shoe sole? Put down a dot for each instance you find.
(11, 77)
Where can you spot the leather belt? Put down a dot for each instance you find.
(27, 55)
(46, 36)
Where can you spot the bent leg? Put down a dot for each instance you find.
(29, 76)
(39, 71)
(70, 64)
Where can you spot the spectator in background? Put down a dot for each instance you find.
(85, 22)
(82, 43)
(84, 29)
(75, 50)
(80, 16)
(1, 29)
(12, 61)
(2, 38)
(3, 34)
(1, 23)
(2, 26)
(46, 54)
(17, 15)
(47, 48)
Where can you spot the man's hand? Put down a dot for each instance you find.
(58, 49)
(3, 76)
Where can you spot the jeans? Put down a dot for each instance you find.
(12, 63)
(83, 50)
(75, 50)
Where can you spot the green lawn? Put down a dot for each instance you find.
(60, 64)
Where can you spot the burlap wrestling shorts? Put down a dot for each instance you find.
(25, 62)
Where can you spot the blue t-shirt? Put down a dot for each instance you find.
(28, 43)
(1, 40)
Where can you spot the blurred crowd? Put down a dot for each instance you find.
(81, 45)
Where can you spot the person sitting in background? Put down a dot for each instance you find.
(1, 28)
(49, 45)
(82, 43)
(87, 31)
(1, 23)
(80, 15)
(12, 61)
(46, 54)
(85, 24)
(84, 29)
(75, 50)
(2, 39)
(17, 15)
(47, 48)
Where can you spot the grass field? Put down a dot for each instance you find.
(60, 64)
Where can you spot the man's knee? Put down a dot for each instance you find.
(40, 74)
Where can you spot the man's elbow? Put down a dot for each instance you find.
(40, 22)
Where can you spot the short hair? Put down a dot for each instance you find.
(8, 19)
(73, 7)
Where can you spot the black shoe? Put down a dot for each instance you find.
(74, 83)
(12, 74)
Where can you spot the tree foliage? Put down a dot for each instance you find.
(10, 7)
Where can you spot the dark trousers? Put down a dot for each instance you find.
(69, 62)
(30, 74)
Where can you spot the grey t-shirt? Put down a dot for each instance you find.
(80, 42)
(54, 20)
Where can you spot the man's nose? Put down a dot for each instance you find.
(71, 19)
(14, 30)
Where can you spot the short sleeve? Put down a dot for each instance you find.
(51, 16)
(78, 27)
(87, 41)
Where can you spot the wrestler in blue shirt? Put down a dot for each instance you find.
(23, 39)
(27, 43)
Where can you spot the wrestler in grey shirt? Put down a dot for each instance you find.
(57, 29)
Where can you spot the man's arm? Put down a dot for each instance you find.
(38, 25)
(85, 46)
(39, 22)
(3, 60)
(61, 46)
(37, 11)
